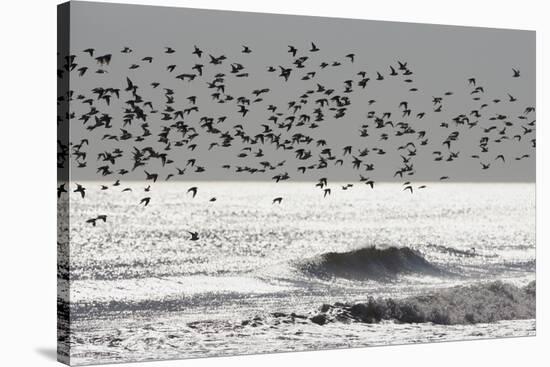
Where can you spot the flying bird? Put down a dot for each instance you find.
(194, 236)
(61, 189)
(193, 191)
(80, 189)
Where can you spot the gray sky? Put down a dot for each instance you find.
(442, 58)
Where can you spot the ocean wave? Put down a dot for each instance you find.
(478, 303)
(369, 263)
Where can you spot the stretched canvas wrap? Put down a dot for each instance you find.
(234, 183)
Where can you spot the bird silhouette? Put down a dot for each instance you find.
(194, 236)
(80, 189)
(60, 190)
(193, 190)
(93, 221)
(197, 51)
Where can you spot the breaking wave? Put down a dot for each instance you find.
(479, 303)
(369, 263)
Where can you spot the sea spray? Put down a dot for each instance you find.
(478, 303)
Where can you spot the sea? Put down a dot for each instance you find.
(141, 288)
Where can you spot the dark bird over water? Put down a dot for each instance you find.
(81, 189)
(194, 235)
(93, 221)
(193, 191)
(61, 189)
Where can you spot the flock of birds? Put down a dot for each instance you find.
(166, 133)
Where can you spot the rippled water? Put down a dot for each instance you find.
(141, 289)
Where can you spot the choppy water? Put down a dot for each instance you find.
(141, 289)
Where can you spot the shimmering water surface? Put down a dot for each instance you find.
(141, 289)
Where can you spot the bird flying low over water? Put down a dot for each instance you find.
(193, 191)
(93, 221)
(60, 190)
(80, 189)
(194, 236)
